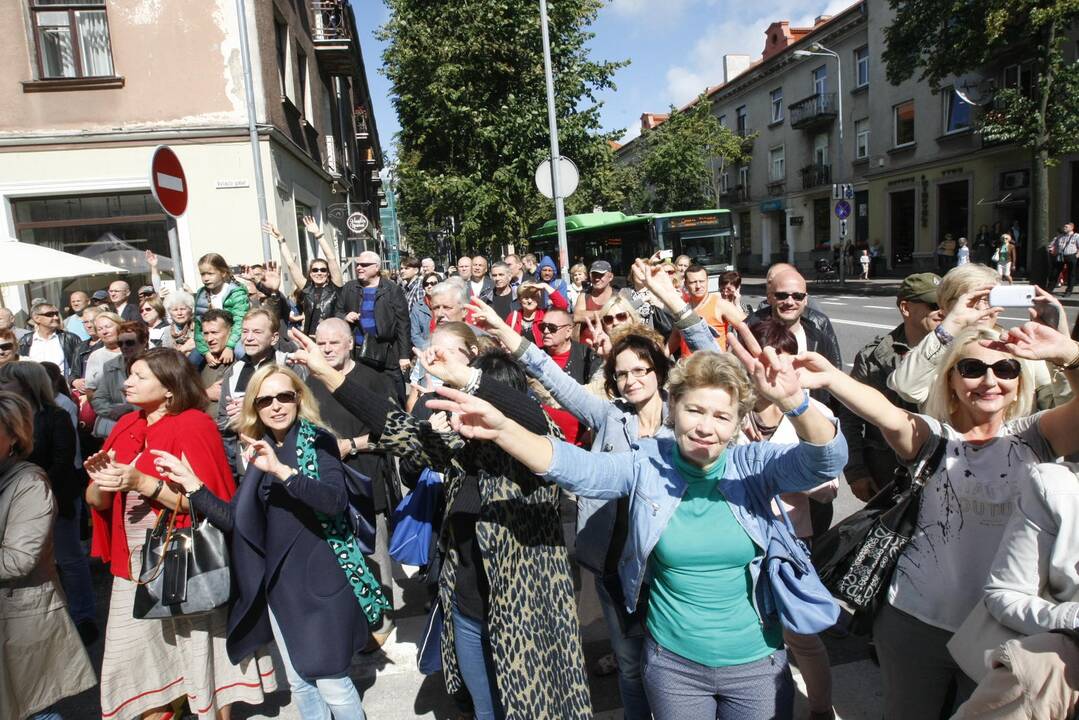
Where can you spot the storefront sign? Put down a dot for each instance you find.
(771, 206)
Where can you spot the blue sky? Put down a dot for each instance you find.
(675, 49)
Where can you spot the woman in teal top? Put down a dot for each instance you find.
(699, 518)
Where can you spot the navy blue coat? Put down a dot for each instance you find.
(280, 559)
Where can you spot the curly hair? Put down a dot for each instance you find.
(708, 369)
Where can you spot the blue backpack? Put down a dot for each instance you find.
(414, 521)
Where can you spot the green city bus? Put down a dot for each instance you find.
(706, 236)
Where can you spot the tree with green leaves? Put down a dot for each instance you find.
(943, 38)
(683, 158)
(469, 92)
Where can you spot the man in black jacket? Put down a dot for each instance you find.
(119, 293)
(377, 313)
(48, 342)
(788, 303)
(576, 359)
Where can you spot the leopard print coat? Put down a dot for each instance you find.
(532, 622)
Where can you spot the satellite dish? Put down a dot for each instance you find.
(973, 89)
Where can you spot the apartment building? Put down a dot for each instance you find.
(88, 89)
(816, 108)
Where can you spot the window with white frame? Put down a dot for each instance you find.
(820, 80)
(281, 50)
(903, 124)
(743, 177)
(777, 105)
(820, 149)
(956, 112)
(861, 66)
(724, 182)
(861, 138)
(777, 170)
(742, 122)
(1020, 77)
(71, 39)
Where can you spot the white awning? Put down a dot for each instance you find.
(23, 262)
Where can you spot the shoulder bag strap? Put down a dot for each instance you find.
(932, 462)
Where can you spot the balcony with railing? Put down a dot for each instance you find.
(814, 112)
(331, 33)
(741, 193)
(816, 174)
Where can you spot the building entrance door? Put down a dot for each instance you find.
(953, 210)
(904, 215)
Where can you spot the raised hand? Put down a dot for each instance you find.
(971, 308)
(469, 416)
(311, 226)
(814, 371)
(1034, 341)
(271, 276)
(273, 231)
(657, 281)
(261, 455)
(600, 341)
(176, 470)
(151, 259)
(438, 363)
(1043, 301)
(773, 375)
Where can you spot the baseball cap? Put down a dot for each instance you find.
(920, 287)
(99, 296)
(600, 266)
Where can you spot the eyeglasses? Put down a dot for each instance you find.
(636, 373)
(288, 397)
(145, 294)
(7, 347)
(972, 368)
(609, 320)
(551, 328)
(51, 313)
(796, 296)
(319, 270)
(146, 309)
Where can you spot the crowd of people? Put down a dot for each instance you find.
(692, 431)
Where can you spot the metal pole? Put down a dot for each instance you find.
(839, 161)
(252, 127)
(552, 122)
(174, 249)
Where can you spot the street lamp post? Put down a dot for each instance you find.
(552, 122)
(821, 51)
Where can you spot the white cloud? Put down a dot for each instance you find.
(742, 34)
(633, 131)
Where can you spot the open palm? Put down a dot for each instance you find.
(773, 375)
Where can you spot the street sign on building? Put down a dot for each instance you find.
(842, 209)
(168, 182)
(357, 222)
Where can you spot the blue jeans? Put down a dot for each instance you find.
(472, 646)
(628, 650)
(316, 701)
(46, 714)
(680, 689)
(74, 567)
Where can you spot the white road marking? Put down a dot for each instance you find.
(859, 323)
(830, 302)
(850, 364)
(1022, 320)
(170, 182)
(880, 307)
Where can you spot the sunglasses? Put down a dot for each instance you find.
(320, 270)
(366, 264)
(796, 296)
(129, 343)
(609, 320)
(51, 313)
(635, 373)
(551, 328)
(972, 368)
(145, 294)
(431, 283)
(7, 347)
(287, 397)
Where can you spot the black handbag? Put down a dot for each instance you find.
(184, 572)
(857, 557)
(361, 508)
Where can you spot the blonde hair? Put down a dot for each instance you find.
(111, 317)
(961, 280)
(579, 267)
(250, 424)
(942, 402)
(709, 369)
(616, 302)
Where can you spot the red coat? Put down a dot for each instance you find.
(515, 319)
(191, 433)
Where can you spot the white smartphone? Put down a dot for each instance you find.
(666, 254)
(1012, 296)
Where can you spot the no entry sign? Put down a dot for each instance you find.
(167, 181)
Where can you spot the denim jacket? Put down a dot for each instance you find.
(615, 428)
(754, 474)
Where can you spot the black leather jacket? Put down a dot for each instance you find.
(69, 343)
(325, 301)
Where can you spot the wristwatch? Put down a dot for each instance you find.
(355, 450)
(943, 335)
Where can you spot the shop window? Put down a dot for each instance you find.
(71, 39)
